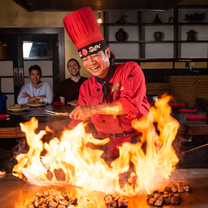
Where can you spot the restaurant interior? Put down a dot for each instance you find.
(168, 39)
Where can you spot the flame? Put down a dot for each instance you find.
(71, 160)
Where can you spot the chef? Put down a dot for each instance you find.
(116, 93)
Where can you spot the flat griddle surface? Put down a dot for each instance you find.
(14, 191)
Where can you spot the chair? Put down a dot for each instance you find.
(151, 98)
(196, 158)
(201, 103)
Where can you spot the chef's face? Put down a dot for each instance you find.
(73, 68)
(98, 64)
(35, 76)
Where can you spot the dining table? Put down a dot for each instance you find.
(10, 127)
(190, 126)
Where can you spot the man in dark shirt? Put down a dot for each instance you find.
(69, 88)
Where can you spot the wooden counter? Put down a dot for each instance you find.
(11, 128)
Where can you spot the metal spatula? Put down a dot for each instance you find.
(34, 170)
(56, 113)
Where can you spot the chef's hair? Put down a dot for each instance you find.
(72, 59)
(112, 56)
(35, 67)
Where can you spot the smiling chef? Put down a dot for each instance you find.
(115, 94)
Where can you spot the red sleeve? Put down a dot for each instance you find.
(133, 96)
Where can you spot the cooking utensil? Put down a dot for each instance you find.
(34, 170)
(194, 148)
(55, 113)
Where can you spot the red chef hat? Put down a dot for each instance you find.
(83, 29)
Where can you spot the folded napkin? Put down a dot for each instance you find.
(178, 105)
(4, 116)
(153, 102)
(56, 103)
(203, 117)
(187, 110)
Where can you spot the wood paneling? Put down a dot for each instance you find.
(156, 65)
(157, 89)
(197, 65)
(187, 88)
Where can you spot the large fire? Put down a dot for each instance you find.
(80, 165)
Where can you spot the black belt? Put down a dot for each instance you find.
(122, 134)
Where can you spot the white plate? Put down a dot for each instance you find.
(72, 104)
(36, 105)
(2, 174)
(18, 109)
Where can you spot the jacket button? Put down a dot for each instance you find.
(117, 116)
(98, 89)
(103, 121)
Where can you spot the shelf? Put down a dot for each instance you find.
(162, 60)
(194, 23)
(197, 41)
(163, 41)
(122, 42)
(156, 24)
(120, 24)
(174, 46)
(137, 24)
(142, 41)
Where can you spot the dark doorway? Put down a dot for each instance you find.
(46, 49)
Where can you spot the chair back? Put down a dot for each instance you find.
(151, 98)
(201, 103)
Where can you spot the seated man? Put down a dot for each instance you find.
(36, 91)
(69, 88)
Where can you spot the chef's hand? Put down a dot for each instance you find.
(82, 112)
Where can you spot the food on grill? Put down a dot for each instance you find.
(187, 187)
(114, 201)
(52, 199)
(170, 195)
(178, 187)
(16, 107)
(152, 201)
(158, 203)
(159, 200)
(175, 200)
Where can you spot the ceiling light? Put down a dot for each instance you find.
(99, 19)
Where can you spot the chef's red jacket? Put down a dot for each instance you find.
(129, 89)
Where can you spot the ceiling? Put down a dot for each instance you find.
(96, 5)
